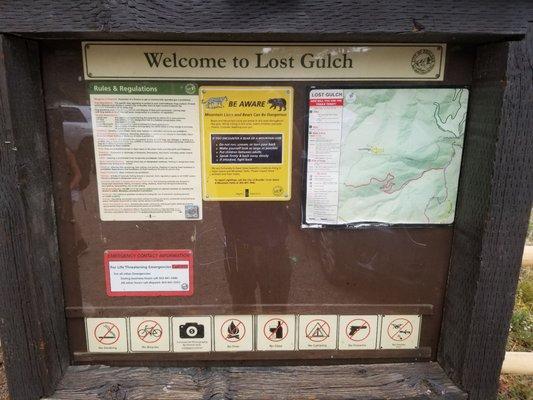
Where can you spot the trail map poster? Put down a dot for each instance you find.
(384, 155)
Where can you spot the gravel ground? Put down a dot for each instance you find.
(3, 385)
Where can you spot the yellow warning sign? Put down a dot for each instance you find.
(247, 142)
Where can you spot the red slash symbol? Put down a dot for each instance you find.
(106, 333)
(149, 331)
(400, 329)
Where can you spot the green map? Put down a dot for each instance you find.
(401, 155)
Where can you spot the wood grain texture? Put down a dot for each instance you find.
(32, 322)
(495, 193)
(378, 381)
(234, 20)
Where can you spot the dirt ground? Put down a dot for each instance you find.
(3, 385)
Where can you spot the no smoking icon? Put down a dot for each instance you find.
(106, 333)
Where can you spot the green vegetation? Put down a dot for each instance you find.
(521, 333)
(519, 387)
(516, 387)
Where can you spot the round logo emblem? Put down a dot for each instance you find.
(351, 97)
(423, 61)
(190, 88)
(277, 191)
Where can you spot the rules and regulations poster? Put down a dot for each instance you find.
(147, 150)
(247, 142)
(384, 155)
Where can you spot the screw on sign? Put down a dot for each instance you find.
(232, 330)
(149, 331)
(276, 330)
(400, 329)
(317, 330)
(358, 330)
(107, 333)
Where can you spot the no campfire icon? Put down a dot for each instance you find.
(233, 330)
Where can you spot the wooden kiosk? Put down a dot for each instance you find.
(104, 104)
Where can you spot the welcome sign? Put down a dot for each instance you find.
(263, 62)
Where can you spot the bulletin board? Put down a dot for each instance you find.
(249, 273)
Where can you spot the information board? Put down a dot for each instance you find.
(254, 286)
(247, 142)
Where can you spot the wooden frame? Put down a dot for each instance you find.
(494, 197)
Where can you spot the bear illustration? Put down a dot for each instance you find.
(281, 103)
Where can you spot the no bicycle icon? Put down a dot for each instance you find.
(149, 331)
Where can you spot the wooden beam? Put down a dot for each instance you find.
(375, 381)
(407, 20)
(518, 362)
(32, 322)
(527, 257)
(494, 203)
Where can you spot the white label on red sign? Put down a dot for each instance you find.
(234, 333)
(276, 332)
(317, 332)
(149, 272)
(191, 334)
(358, 332)
(106, 335)
(149, 334)
(400, 331)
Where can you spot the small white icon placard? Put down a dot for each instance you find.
(400, 331)
(317, 332)
(358, 332)
(191, 334)
(149, 334)
(233, 333)
(276, 332)
(106, 335)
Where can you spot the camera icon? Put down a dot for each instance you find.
(191, 330)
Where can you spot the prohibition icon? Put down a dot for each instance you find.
(149, 331)
(317, 330)
(400, 329)
(107, 333)
(276, 330)
(357, 330)
(232, 330)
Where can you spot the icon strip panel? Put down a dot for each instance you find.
(232, 333)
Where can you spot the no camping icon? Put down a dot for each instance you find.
(317, 330)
